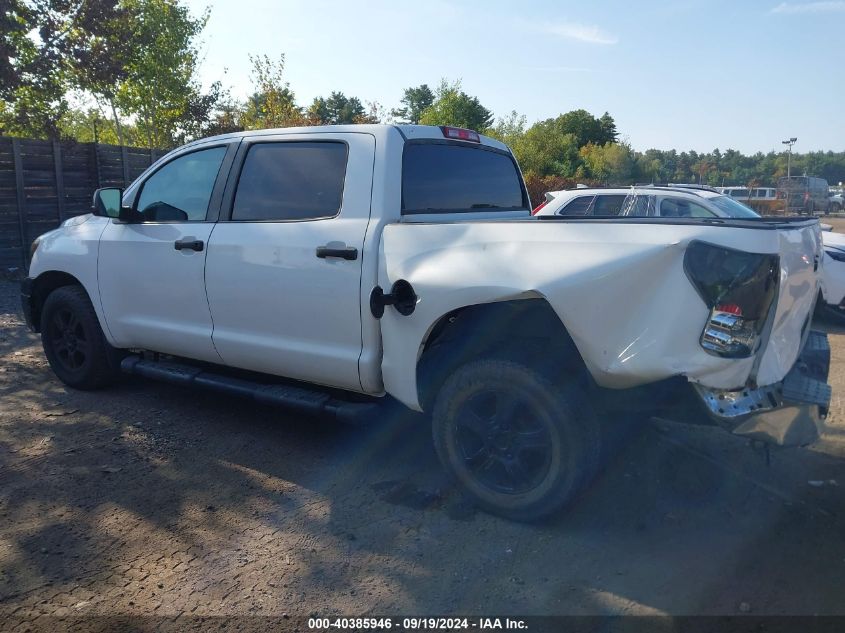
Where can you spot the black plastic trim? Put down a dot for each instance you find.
(302, 399)
(767, 223)
(26, 301)
(347, 252)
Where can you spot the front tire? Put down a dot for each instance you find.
(74, 343)
(518, 445)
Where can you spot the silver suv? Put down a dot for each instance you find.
(645, 201)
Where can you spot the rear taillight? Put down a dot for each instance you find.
(539, 206)
(460, 134)
(739, 288)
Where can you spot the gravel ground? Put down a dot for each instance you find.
(149, 500)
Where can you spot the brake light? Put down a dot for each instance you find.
(460, 134)
(539, 206)
(730, 308)
(739, 288)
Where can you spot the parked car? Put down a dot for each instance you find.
(832, 290)
(804, 194)
(665, 202)
(645, 201)
(836, 202)
(737, 193)
(339, 265)
(761, 199)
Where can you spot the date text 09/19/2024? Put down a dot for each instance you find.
(417, 623)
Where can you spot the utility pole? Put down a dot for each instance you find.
(789, 143)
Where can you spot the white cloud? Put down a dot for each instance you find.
(828, 6)
(581, 32)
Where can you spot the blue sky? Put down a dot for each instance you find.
(742, 74)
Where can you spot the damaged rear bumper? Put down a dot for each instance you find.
(786, 413)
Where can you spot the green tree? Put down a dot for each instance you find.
(607, 126)
(272, 103)
(414, 103)
(100, 49)
(337, 109)
(611, 163)
(509, 130)
(16, 20)
(32, 70)
(453, 106)
(93, 126)
(584, 126)
(545, 150)
(161, 89)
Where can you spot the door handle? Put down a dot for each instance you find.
(194, 245)
(344, 252)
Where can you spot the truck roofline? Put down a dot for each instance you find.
(407, 131)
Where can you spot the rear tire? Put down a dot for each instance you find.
(518, 445)
(74, 343)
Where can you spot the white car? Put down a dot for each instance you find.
(691, 201)
(833, 275)
(339, 265)
(688, 201)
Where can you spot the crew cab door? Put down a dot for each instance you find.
(151, 273)
(283, 273)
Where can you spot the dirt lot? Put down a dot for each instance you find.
(151, 500)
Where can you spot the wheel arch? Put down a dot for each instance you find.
(43, 285)
(526, 329)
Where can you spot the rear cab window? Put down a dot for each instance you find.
(454, 177)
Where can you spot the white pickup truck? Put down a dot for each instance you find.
(326, 268)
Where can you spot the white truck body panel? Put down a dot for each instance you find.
(800, 255)
(621, 331)
(298, 316)
(154, 295)
(73, 248)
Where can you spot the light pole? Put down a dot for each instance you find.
(790, 143)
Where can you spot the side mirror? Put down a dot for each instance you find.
(106, 202)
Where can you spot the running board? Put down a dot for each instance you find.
(303, 400)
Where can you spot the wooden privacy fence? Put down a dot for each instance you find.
(42, 183)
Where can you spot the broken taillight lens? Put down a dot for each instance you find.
(739, 288)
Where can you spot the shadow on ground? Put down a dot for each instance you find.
(156, 500)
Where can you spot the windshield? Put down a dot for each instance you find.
(453, 178)
(731, 208)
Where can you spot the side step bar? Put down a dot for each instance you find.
(303, 400)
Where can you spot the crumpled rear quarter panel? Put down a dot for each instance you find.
(619, 288)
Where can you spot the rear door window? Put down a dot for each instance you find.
(582, 205)
(638, 205)
(457, 178)
(608, 204)
(291, 180)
